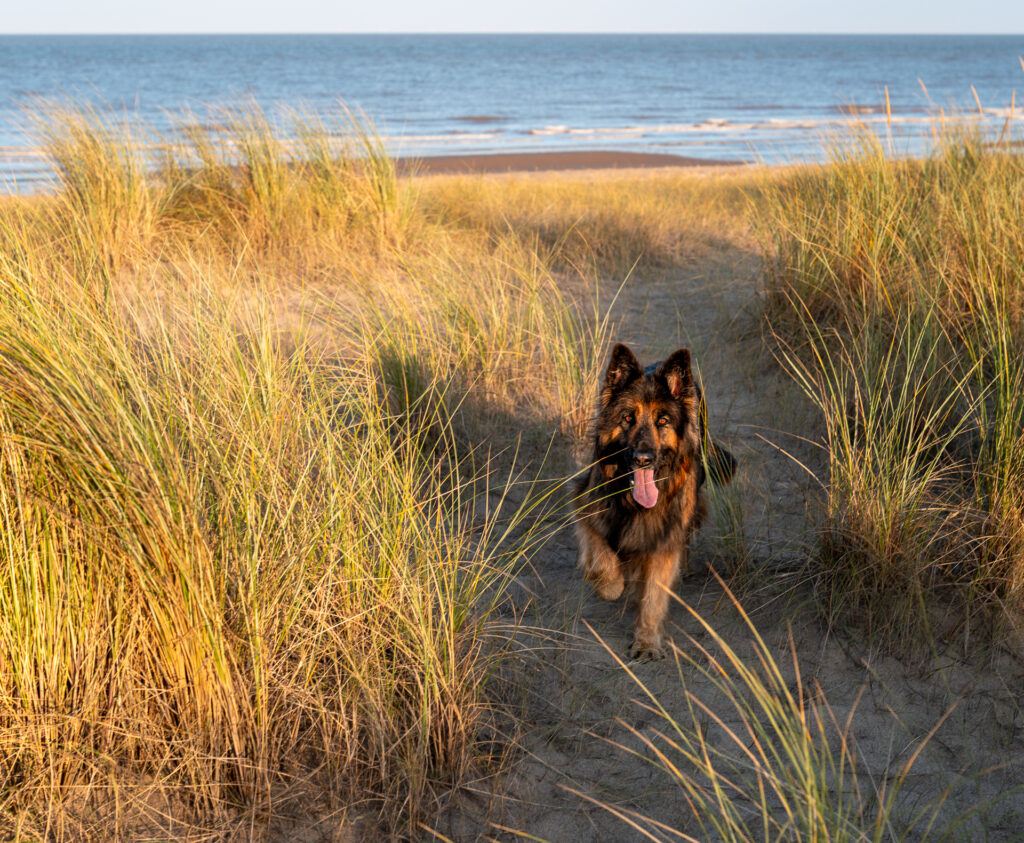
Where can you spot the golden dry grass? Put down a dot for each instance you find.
(261, 494)
(897, 304)
(267, 411)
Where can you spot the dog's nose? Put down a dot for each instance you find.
(642, 459)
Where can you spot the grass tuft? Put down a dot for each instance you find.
(257, 523)
(894, 296)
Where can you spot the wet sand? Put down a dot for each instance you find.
(525, 162)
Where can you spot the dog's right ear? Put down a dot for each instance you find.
(623, 369)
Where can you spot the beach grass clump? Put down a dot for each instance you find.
(230, 576)
(895, 529)
(232, 179)
(266, 183)
(260, 488)
(894, 293)
(106, 207)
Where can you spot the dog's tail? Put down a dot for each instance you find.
(719, 465)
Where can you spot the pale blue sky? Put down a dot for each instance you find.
(92, 16)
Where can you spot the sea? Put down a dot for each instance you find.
(768, 98)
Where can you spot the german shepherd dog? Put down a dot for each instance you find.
(640, 500)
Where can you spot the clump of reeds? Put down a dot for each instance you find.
(894, 290)
(254, 528)
(229, 572)
(106, 207)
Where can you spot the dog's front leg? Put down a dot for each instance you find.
(601, 565)
(659, 572)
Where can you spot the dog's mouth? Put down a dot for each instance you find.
(642, 487)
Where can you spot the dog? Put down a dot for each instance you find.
(641, 498)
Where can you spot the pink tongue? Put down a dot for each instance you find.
(645, 492)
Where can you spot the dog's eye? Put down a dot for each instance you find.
(662, 420)
(628, 418)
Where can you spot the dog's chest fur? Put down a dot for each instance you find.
(631, 531)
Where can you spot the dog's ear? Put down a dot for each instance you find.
(622, 371)
(677, 374)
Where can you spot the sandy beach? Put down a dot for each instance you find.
(526, 162)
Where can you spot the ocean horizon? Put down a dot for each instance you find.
(770, 98)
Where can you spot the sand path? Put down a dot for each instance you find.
(575, 694)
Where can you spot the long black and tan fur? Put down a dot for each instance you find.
(641, 500)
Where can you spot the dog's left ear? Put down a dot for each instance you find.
(677, 374)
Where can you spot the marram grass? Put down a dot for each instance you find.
(258, 399)
(895, 297)
(253, 529)
(229, 572)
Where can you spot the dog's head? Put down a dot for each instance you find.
(647, 430)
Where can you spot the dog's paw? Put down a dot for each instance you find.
(642, 650)
(604, 572)
(610, 588)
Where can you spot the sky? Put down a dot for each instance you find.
(819, 16)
